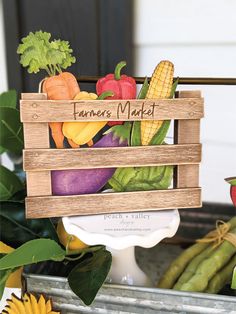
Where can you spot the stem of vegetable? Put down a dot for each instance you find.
(118, 68)
(48, 71)
(105, 94)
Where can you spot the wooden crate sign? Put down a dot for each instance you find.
(39, 159)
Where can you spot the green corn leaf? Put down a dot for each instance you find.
(11, 135)
(9, 183)
(32, 252)
(88, 276)
(174, 87)
(143, 91)
(136, 128)
(160, 136)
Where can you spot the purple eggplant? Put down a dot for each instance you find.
(87, 181)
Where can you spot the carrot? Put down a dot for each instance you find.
(54, 57)
(63, 86)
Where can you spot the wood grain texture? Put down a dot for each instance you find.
(59, 206)
(186, 132)
(33, 96)
(87, 158)
(36, 135)
(38, 183)
(107, 110)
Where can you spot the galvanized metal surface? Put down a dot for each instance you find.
(128, 299)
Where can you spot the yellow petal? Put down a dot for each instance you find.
(48, 306)
(34, 304)
(27, 304)
(42, 305)
(19, 304)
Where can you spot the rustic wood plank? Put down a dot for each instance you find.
(36, 135)
(58, 206)
(38, 183)
(186, 132)
(33, 96)
(106, 110)
(87, 158)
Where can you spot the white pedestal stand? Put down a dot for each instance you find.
(120, 232)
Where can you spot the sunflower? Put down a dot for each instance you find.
(28, 304)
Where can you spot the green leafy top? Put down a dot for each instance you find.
(39, 53)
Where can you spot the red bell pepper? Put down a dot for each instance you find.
(232, 182)
(123, 86)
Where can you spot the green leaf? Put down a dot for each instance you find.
(11, 135)
(151, 178)
(160, 136)
(9, 184)
(233, 284)
(136, 128)
(122, 131)
(8, 99)
(174, 86)
(32, 252)
(16, 229)
(88, 276)
(143, 91)
(2, 150)
(136, 134)
(4, 275)
(38, 53)
(141, 178)
(19, 196)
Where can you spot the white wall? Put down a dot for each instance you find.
(3, 70)
(199, 37)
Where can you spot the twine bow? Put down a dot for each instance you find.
(221, 233)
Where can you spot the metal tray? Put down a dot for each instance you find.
(129, 299)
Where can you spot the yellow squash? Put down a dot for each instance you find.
(80, 133)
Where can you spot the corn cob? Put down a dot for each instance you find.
(160, 87)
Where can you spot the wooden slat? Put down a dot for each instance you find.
(107, 110)
(33, 96)
(38, 183)
(58, 206)
(187, 131)
(87, 158)
(36, 135)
